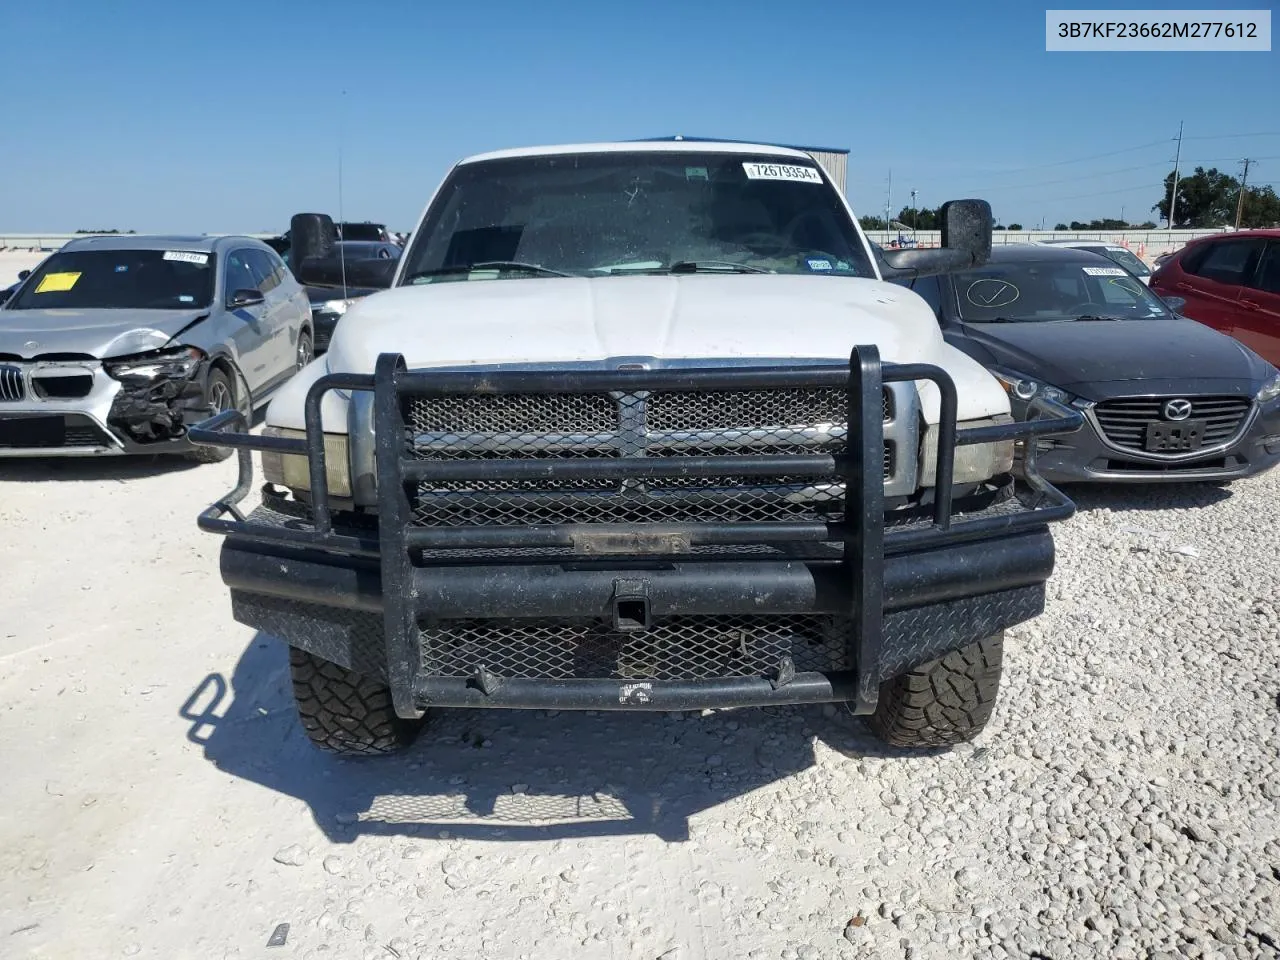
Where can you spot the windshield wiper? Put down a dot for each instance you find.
(489, 265)
(1090, 316)
(719, 266)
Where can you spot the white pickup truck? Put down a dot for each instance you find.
(640, 426)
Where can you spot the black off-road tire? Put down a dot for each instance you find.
(217, 386)
(942, 702)
(344, 713)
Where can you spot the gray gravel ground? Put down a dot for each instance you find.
(160, 801)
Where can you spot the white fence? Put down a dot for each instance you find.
(1145, 243)
(52, 241)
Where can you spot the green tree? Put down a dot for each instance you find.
(1061, 226)
(922, 218)
(1261, 207)
(872, 223)
(1206, 198)
(1015, 226)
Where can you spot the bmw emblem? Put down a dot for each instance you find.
(1177, 409)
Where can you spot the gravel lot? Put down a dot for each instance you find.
(161, 802)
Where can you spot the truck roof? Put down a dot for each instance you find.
(644, 146)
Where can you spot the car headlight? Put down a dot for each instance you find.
(338, 307)
(177, 364)
(1270, 390)
(1026, 389)
(291, 469)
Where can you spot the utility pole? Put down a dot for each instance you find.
(888, 201)
(1173, 190)
(1244, 179)
(915, 214)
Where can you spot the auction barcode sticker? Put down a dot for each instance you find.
(1104, 272)
(1234, 31)
(781, 171)
(187, 256)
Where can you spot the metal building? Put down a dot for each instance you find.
(834, 160)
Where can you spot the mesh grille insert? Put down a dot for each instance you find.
(677, 648)
(660, 424)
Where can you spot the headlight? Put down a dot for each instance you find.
(338, 307)
(1270, 390)
(1026, 389)
(291, 469)
(973, 462)
(177, 364)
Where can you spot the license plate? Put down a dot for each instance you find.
(1175, 437)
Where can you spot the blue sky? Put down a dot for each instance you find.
(225, 117)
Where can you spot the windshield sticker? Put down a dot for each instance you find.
(696, 173)
(781, 171)
(1105, 272)
(817, 264)
(57, 282)
(1128, 284)
(186, 298)
(989, 292)
(187, 256)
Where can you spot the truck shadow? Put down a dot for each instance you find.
(508, 775)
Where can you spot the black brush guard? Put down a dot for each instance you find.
(987, 570)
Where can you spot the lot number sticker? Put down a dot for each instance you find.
(781, 171)
(1105, 272)
(57, 282)
(187, 256)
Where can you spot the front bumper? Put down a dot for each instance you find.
(89, 425)
(323, 323)
(629, 615)
(1087, 456)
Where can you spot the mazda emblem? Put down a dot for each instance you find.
(1177, 409)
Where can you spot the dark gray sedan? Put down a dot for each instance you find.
(115, 345)
(1164, 398)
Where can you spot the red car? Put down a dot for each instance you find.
(1230, 282)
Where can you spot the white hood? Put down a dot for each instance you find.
(551, 320)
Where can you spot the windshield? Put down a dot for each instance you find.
(602, 214)
(119, 279)
(372, 232)
(1046, 291)
(1129, 261)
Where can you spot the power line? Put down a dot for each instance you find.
(1236, 136)
(1096, 156)
(1083, 176)
(1098, 193)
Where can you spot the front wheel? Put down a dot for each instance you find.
(306, 349)
(345, 713)
(220, 396)
(942, 702)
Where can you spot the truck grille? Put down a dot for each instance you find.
(677, 648)
(668, 424)
(11, 383)
(1124, 422)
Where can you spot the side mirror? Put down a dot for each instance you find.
(966, 243)
(245, 298)
(23, 274)
(1175, 303)
(374, 274)
(311, 237)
